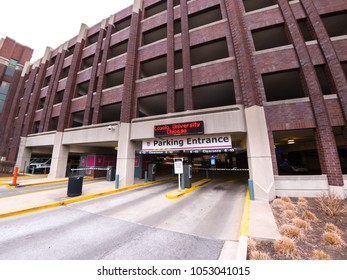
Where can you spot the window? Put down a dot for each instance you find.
(154, 34)
(177, 26)
(153, 66)
(251, 5)
(59, 97)
(269, 37)
(204, 17)
(209, 51)
(152, 105)
(122, 24)
(344, 67)
(64, 73)
(4, 87)
(52, 61)
(41, 103)
(54, 123)
(77, 119)
(296, 152)
(305, 30)
(323, 78)
(113, 79)
(214, 95)
(82, 89)
(155, 9)
(11, 67)
(110, 113)
(92, 39)
(336, 23)
(179, 102)
(118, 49)
(283, 85)
(36, 127)
(341, 147)
(69, 51)
(87, 62)
(2, 103)
(178, 60)
(47, 81)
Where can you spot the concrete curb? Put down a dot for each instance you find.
(77, 199)
(35, 184)
(24, 177)
(43, 183)
(177, 193)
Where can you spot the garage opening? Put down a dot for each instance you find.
(296, 152)
(341, 142)
(209, 156)
(283, 85)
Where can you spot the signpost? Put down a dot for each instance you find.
(178, 166)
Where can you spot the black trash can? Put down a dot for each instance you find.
(74, 186)
(110, 176)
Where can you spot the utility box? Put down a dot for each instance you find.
(111, 173)
(187, 176)
(151, 172)
(74, 186)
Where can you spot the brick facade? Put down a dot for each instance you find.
(10, 50)
(245, 66)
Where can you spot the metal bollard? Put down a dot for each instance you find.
(146, 177)
(117, 181)
(182, 185)
(206, 173)
(251, 189)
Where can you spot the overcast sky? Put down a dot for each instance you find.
(38, 23)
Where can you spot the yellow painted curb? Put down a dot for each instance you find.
(177, 193)
(30, 210)
(79, 198)
(44, 183)
(244, 230)
(40, 191)
(127, 188)
(23, 176)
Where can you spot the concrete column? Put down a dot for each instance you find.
(24, 155)
(59, 157)
(259, 154)
(125, 156)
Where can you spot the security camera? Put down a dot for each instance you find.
(109, 127)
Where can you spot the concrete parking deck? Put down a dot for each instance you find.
(261, 221)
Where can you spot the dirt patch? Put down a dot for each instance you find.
(307, 232)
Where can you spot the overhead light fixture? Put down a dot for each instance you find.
(291, 141)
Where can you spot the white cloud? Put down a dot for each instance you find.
(37, 24)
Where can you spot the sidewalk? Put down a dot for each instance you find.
(44, 199)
